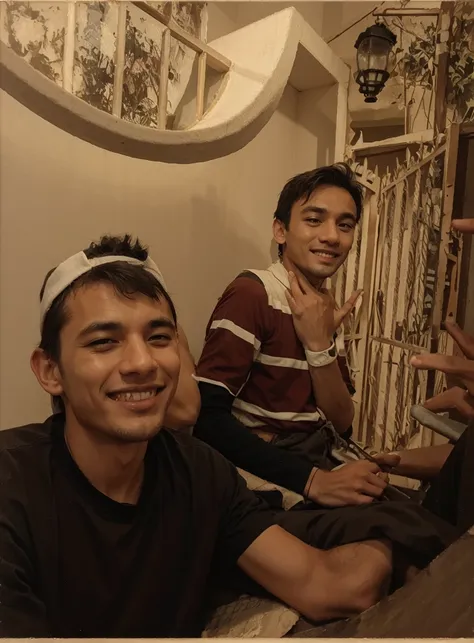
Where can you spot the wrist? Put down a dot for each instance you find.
(316, 481)
(323, 357)
(316, 346)
(309, 482)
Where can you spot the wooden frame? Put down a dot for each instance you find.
(164, 73)
(119, 60)
(206, 56)
(215, 60)
(69, 40)
(374, 148)
(407, 12)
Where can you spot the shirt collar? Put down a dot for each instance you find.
(280, 273)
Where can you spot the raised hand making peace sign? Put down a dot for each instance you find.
(316, 316)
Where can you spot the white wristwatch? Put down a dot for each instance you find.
(321, 358)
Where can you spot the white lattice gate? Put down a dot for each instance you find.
(407, 260)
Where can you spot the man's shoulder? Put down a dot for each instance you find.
(26, 440)
(247, 283)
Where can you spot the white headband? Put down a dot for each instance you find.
(77, 265)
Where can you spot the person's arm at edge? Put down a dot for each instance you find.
(423, 463)
(184, 408)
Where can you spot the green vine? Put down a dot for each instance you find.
(416, 63)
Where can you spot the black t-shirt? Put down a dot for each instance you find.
(74, 563)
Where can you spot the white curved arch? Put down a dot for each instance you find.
(264, 57)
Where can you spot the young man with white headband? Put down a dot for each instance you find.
(110, 524)
(183, 409)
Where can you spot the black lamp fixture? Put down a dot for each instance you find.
(373, 52)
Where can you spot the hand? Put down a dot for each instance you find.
(463, 225)
(455, 398)
(315, 315)
(462, 368)
(357, 483)
(387, 462)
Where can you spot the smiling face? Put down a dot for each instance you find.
(119, 363)
(320, 233)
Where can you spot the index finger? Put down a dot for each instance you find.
(463, 225)
(353, 298)
(446, 363)
(346, 308)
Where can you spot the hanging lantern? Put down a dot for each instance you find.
(373, 52)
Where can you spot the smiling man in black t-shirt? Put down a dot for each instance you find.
(110, 525)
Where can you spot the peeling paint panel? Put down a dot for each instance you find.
(188, 15)
(182, 59)
(35, 31)
(94, 54)
(141, 78)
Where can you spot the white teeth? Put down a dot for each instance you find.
(135, 396)
(324, 254)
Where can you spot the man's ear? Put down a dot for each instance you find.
(47, 372)
(279, 231)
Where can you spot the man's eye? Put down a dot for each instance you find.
(103, 342)
(160, 338)
(347, 226)
(313, 220)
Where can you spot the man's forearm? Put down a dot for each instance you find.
(183, 410)
(221, 430)
(424, 463)
(332, 395)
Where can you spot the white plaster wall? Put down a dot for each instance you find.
(243, 13)
(316, 127)
(204, 223)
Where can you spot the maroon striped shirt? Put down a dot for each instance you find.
(252, 350)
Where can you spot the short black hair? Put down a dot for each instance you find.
(127, 280)
(303, 185)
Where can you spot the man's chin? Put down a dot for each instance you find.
(322, 272)
(139, 429)
(136, 435)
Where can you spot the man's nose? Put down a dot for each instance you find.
(138, 358)
(328, 232)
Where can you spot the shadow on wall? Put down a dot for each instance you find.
(222, 245)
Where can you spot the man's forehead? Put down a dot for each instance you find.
(102, 300)
(329, 197)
